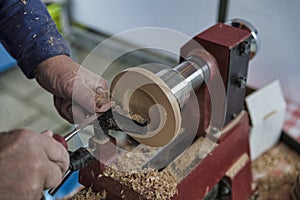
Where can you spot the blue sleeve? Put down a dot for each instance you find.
(29, 34)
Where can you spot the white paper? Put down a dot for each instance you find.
(267, 111)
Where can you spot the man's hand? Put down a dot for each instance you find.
(29, 163)
(77, 91)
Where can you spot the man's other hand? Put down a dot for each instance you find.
(29, 163)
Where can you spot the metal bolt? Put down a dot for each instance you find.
(225, 188)
(225, 191)
(234, 115)
(244, 48)
(241, 82)
(213, 130)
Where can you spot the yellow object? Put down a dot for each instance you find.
(55, 11)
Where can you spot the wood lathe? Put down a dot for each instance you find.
(197, 130)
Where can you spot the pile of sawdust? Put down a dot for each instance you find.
(149, 183)
(85, 194)
(136, 158)
(275, 173)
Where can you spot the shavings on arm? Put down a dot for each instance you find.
(51, 41)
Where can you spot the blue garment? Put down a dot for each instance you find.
(29, 34)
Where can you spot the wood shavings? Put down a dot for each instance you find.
(135, 159)
(102, 97)
(149, 182)
(275, 172)
(118, 108)
(199, 150)
(89, 195)
(138, 118)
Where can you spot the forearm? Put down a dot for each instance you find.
(50, 73)
(29, 34)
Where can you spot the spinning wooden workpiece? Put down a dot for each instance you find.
(219, 156)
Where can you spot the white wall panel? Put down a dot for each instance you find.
(113, 16)
(278, 24)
